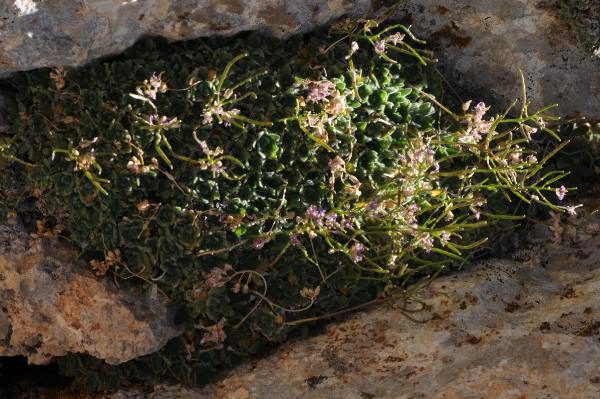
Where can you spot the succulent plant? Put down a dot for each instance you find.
(260, 184)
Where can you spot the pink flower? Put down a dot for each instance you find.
(331, 220)
(356, 252)
(561, 192)
(444, 238)
(316, 214)
(427, 242)
(379, 46)
(476, 212)
(348, 221)
(218, 168)
(214, 278)
(480, 110)
(294, 240)
(319, 91)
(258, 243)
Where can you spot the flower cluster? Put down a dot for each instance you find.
(356, 252)
(476, 125)
(319, 91)
(136, 164)
(85, 161)
(216, 111)
(380, 45)
(325, 94)
(150, 87)
(163, 121)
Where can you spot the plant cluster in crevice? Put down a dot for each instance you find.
(261, 185)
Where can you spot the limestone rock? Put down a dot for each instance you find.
(50, 305)
(483, 44)
(35, 33)
(505, 328)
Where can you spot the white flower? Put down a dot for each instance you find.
(395, 38)
(532, 159)
(571, 209)
(466, 106)
(529, 131)
(353, 49)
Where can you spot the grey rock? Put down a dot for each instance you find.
(51, 305)
(37, 33)
(483, 44)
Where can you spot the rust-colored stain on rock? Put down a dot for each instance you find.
(54, 305)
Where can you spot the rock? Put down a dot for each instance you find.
(502, 329)
(37, 33)
(483, 44)
(51, 304)
(170, 392)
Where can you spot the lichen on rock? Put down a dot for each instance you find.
(51, 305)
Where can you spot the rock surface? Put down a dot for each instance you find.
(528, 327)
(483, 44)
(51, 305)
(35, 33)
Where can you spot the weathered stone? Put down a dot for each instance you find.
(502, 329)
(36, 33)
(51, 305)
(483, 44)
